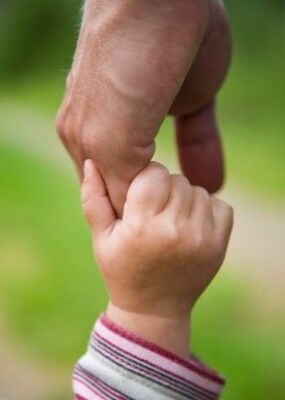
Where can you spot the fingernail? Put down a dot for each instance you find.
(87, 168)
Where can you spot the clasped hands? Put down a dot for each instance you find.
(159, 241)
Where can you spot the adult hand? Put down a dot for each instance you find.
(135, 62)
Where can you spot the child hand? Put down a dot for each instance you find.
(158, 259)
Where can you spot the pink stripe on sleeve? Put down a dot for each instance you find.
(121, 365)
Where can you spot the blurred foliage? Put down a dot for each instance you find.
(37, 35)
(48, 287)
(41, 34)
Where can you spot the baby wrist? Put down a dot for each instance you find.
(173, 333)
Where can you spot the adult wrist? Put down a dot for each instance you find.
(172, 334)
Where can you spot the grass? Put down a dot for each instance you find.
(53, 291)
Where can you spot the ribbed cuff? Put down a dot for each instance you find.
(120, 365)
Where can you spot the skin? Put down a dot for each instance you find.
(136, 62)
(161, 255)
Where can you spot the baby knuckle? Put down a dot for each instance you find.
(202, 194)
(200, 241)
(228, 221)
(220, 246)
(137, 229)
(180, 179)
(230, 214)
(159, 170)
(171, 235)
(183, 184)
(197, 241)
(184, 181)
(219, 254)
(174, 235)
(201, 197)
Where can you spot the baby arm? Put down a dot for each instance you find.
(156, 261)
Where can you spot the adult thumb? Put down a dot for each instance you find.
(199, 148)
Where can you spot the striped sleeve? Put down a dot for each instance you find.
(121, 366)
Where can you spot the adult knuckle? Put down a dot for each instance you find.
(92, 141)
(65, 124)
(140, 154)
(60, 123)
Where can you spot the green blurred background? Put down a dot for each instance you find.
(50, 290)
